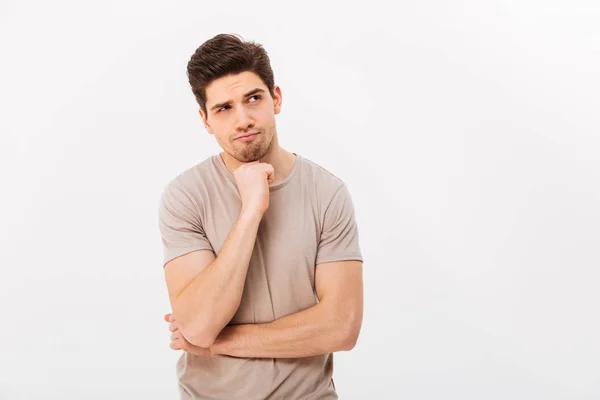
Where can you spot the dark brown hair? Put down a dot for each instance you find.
(226, 54)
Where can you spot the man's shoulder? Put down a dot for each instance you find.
(322, 176)
(192, 177)
(325, 181)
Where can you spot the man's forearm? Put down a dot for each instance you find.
(211, 299)
(316, 330)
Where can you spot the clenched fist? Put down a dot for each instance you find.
(252, 180)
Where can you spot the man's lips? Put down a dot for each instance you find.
(247, 135)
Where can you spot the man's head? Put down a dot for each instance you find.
(233, 83)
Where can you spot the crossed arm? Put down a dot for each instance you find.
(331, 325)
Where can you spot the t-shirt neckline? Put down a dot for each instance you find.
(219, 161)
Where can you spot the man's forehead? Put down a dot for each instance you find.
(231, 84)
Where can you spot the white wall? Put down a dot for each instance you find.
(468, 134)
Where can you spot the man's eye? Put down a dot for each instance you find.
(258, 97)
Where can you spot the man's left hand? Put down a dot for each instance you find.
(179, 342)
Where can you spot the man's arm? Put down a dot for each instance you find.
(204, 304)
(330, 326)
(205, 292)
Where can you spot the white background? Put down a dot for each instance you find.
(468, 135)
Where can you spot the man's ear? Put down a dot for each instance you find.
(277, 98)
(205, 121)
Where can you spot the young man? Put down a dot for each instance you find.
(261, 253)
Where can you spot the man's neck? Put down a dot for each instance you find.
(281, 160)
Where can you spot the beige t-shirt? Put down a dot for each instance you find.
(310, 220)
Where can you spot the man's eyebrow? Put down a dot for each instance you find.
(226, 103)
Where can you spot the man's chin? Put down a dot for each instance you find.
(251, 156)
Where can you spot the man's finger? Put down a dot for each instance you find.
(169, 317)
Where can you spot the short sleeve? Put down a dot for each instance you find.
(339, 236)
(179, 224)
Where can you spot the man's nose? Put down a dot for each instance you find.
(243, 118)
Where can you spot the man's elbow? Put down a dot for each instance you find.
(202, 338)
(350, 333)
(197, 331)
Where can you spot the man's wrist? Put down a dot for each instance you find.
(197, 350)
(217, 347)
(213, 350)
(251, 216)
(223, 342)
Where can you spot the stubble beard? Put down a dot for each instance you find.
(255, 150)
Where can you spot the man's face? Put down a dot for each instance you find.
(239, 105)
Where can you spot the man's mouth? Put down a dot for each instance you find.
(247, 136)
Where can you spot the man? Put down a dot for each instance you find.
(261, 253)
